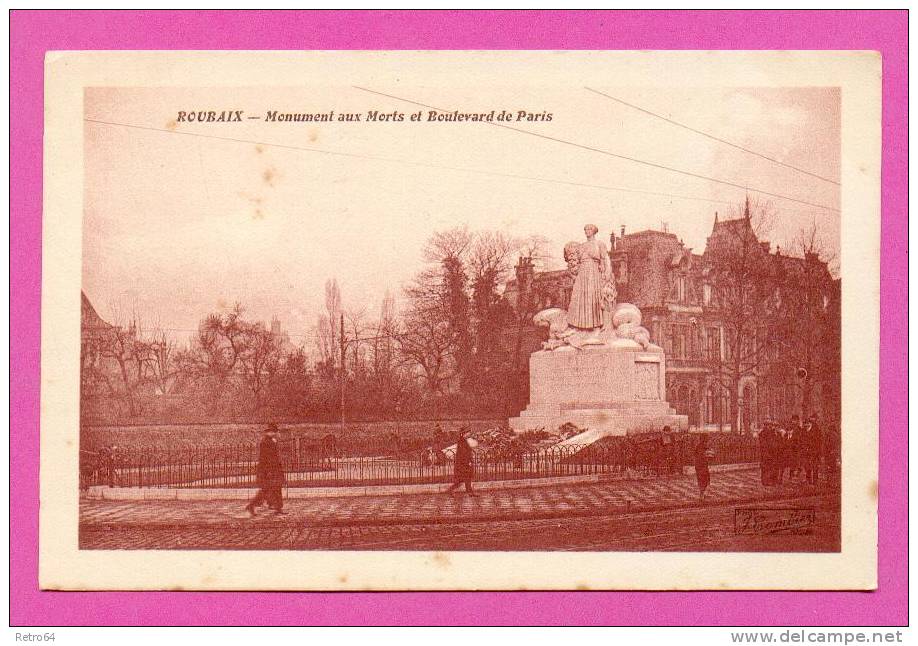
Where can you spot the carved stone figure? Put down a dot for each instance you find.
(590, 261)
(560, 333)
(626, 330)
(626, 322)
(592, 318)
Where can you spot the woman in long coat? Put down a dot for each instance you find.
(702, 472)
(585, 308)
(462, 464)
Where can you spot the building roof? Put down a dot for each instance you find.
(89, 318)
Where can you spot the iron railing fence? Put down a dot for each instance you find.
(314, 465)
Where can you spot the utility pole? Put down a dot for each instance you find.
(342, 372)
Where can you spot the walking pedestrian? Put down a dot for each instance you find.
(463, 469)
(780, 454)
(269, 474)
(812, 439)
(702, 458)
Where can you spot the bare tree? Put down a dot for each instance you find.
(327, 328)
(809, 336)
(259, 361)
(427, 341)
(384, 336)
(162, 362)
(536, 248)
(743, 280)
(212, 359)
(356, 331)
(452, 243)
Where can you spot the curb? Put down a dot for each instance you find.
(99, 492)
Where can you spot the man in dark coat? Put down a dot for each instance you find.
(462, 464)
(703, 455)
(269, 474)
(812, 449)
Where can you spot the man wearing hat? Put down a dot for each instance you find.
(812, 449)
(462, 463)
(269, 474)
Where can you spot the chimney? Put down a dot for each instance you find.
(623, 230)
(525, 271)
(766, 246)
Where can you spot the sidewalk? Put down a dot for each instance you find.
(594, 499)
(100, 492)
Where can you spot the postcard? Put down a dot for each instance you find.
(460, 320)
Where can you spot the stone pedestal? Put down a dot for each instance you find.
(617, 388)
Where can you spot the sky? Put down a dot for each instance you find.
(183, 219)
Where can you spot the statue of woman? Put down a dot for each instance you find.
(593, 276)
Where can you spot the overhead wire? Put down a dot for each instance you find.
(713, 137)
(609, 153)
(409, 162)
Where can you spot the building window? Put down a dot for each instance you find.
(729, 345)
(706, 290)
(678, 341)
(693, 408)
(678, 292)
(713, 344)
(712, 407)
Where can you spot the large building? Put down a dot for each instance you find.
(675, 289)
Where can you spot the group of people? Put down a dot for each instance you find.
(99, 467)
(790, 451)
(786, 452)
(269, 471)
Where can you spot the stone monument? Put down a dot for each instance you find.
(598, 369)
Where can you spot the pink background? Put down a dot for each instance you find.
(34, 33)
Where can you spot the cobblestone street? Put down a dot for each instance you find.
(615, 515)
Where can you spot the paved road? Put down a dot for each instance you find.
(705, 528)
(633, 516)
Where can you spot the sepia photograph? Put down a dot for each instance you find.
(340, 318)
(466, 324)
(447, 319)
